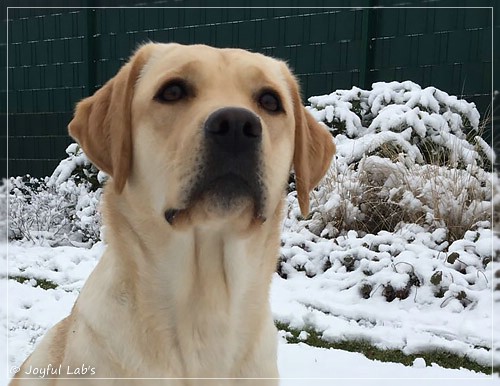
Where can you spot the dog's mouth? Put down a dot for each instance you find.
(222, 194)
(227, 190)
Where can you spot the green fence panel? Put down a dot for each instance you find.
(47, 74)
(58, 56)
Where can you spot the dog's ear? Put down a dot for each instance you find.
(313, 152)
(102, 122)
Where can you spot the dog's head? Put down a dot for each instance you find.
(199, 131)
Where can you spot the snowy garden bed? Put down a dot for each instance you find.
(398, 250)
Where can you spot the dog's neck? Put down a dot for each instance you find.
(196, 288)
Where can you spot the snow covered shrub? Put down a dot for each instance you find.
(3, 210)
(427, 125)
(77, 167)
(58, 210)
(404, 155)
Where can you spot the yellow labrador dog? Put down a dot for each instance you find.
(199, 143)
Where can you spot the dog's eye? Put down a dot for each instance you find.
(172, 92)
(270, 101)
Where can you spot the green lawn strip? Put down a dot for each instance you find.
(441, 358)
(42, 283)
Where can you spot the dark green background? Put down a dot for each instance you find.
(57, 56)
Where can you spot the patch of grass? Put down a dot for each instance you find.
(42, 283)
(441, 358)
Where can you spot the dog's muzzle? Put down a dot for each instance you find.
(231, 172)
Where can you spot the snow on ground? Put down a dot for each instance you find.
(332, 301)
(303, 362)
(320, 302)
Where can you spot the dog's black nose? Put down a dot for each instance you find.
(233, 129)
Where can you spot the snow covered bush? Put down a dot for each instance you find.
(57, 210)
(3, 210)
(427, 125)
(405, 209)
(404, 155)
(395, 265)
(78, 168)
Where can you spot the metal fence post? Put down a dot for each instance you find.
(91, 49)
(367, 34)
